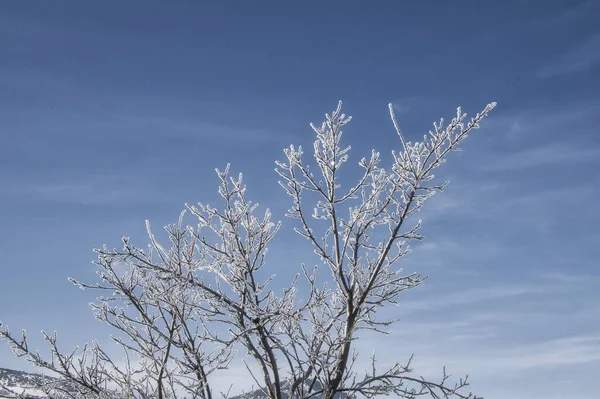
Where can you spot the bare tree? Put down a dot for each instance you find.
(182, 312)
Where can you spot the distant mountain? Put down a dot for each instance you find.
(19, 384)
(14, 383)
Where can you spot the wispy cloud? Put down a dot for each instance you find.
(547, 154)
(201, 130)
(481, 201)
(446, 330)
(414, 103)
(571, 14)
(96, 191)
(164, 117)
(582, 57)
(489, 351)
(84, 193)
(517, 362)
(570, 278)
(544, 124)
(550, 353)
(473, 295)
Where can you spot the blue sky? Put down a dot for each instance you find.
(116, 112)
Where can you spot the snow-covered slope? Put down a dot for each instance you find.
(15, 384)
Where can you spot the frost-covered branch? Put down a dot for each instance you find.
(184, 311)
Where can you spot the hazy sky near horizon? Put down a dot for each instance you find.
(115, 112)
